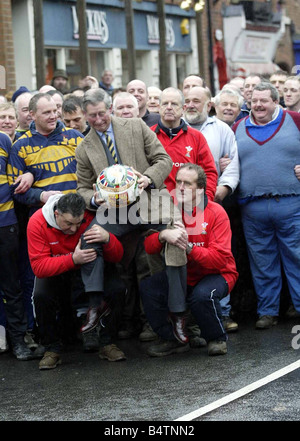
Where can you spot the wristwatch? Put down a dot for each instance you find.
(190, 246)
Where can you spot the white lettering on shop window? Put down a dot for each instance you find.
(97, 28)
(153, 31)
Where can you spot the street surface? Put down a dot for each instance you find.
(156, 390)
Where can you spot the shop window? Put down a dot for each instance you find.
(50, 64)
(181, 66)
(72, 59)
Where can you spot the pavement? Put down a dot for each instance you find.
(149, 391)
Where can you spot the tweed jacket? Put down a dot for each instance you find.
(138, 147)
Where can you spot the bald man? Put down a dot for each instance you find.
(139, 89)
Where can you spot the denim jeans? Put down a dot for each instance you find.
(272, 232)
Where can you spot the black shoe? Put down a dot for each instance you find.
(266, 322)
(178, 323)
(229, 324)
(29, 339)
(147, 333)
(39, 351)
(90, 341)
(127, 331)
(217, 347)
(93, 316)
(22, 352)
(167, 347)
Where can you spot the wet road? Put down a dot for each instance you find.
(85, 388)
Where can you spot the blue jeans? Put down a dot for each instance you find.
(203, 300)
(225, 306)
(272, 233)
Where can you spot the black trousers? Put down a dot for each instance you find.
(52, 298)
(55, 311)
(203, 300)
(9, 283)
(92, 273)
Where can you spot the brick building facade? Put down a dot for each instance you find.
(7, 56)
(284, 56)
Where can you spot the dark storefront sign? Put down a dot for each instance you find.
(106, 27)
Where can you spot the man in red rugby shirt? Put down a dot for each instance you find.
(211, 269)
(54, 238)
(182, 142)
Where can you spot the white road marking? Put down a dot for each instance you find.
(239, 393)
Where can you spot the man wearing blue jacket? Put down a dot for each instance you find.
(14, 320)
(269, 194)
(46, 152)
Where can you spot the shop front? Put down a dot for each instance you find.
(106, 35)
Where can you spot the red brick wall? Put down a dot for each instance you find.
(7, 47)
(284, 52)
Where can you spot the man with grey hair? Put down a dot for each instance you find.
(269, 195)
(125, 105)
(219, 137)
(228, 104)
(221, 141)
(8, 120)
(192, 80)
(126, 141)
(23, 114)
(107, 79)
(153, 99)
(182, 142)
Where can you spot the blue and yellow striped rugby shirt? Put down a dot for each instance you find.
(7, 212)
(51, 159)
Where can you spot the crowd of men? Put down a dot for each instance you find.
(212, 167)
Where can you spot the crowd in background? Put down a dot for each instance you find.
(246, 141)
